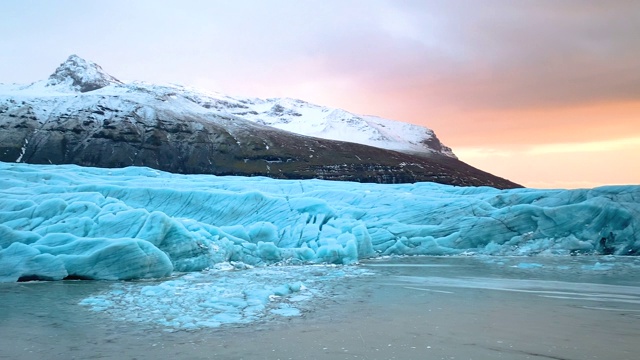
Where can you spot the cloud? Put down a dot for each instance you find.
(631, 144)
(566, 165)
(484, 153)
(496, 54)
(459, 54)
(492, 74)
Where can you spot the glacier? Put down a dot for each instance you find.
(70, 222)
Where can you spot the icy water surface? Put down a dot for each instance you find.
(395, 308)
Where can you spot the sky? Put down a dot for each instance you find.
(545, 93)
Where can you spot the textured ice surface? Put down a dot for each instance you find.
(69, 221)
(218, 297)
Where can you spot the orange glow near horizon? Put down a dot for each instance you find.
(578, 147)
(578, 124)
(563, 169)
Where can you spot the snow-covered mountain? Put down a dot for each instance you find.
(77, 74)
(83, 115)
(297, 116)
(303, 118)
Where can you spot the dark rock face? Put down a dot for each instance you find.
(102, 136)
(434, 143)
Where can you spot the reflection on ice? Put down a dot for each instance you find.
(228, 295)
(565, 309)
(612, 309)
(593, 282)
(530, 286)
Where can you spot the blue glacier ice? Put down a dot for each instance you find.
(64, 221)
(220, 296)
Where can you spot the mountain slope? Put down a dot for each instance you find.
(319, 121)
(81, 115)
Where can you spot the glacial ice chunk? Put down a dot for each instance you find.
(69, 221)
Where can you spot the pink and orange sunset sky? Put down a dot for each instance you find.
(545, 93)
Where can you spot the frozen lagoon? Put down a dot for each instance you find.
(583, 307)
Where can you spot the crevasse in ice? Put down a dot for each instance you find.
(70, 221)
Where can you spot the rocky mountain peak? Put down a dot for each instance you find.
(81, 75)
(181, 130)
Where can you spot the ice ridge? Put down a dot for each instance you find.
(68, 221)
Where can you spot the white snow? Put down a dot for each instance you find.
(23, 150)
(336, 124)
(286, 114)
(76, 72)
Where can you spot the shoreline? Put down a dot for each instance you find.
(396, 313)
